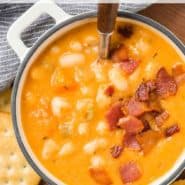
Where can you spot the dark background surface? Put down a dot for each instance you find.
(170, 15)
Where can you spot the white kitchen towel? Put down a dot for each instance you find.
(9, 12)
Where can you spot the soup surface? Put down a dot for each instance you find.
(106, 122)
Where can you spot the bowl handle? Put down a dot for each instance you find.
(43, 6)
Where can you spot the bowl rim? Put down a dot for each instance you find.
(126, 14)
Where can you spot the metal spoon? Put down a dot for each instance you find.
(107, 13)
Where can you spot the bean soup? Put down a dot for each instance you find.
(106, 122)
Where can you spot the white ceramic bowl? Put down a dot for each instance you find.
(64, 23)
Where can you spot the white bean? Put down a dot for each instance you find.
(151, 69)
(84, 104)
(101, 127)
(49, 148)
(118, 79)
(101, 98)
(98, 71)
(142, 46)
(95, 144)
(76, 46)
(83, 74)
(97, 161)
(82, 128)
(66, 128)
(57, 104)
(85, 90)
(71, 59)
(66, 149)
(57, 78)
(134, 50)
(90, 41)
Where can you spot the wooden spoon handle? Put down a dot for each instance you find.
(107, 13)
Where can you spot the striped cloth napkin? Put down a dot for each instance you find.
(9, 62)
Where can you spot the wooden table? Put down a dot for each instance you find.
(173, 17)
(170, 15)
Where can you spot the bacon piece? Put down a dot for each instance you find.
(144, 90)
(136, 108)
(148, 119)
(131, 142)
(142, 93)
(126, 30)
(100, 176)
(116, 151)
(148, 140)
(161, 118)
(165, 84)
(129, 65)
(124, 102)
(172, 130)
(113, 115)
(154, 103)
(130, 172)
(146, 125)
(151, 85)
(109, 91)
(131, 124)
(119, 54)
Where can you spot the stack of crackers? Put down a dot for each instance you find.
(14, 169)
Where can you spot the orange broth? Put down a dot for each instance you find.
(63, 106)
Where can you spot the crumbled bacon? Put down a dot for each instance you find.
(126, 30)
(131, 124)
(131, 142)
(129, 65)
(165, 84)
(149, 119)
(142, 93)
(136, 108)
(146, 125)
(144, 90)
(154, 104)
(161, 118)
(148, 140)
(119, 54)
(172, 130)
(113, 115)
(151, 85)
(109, 91)
(116, 151)
(124, 102)
(100, 176)
(130, 172)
